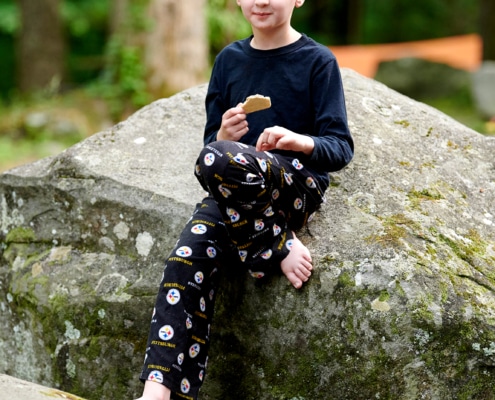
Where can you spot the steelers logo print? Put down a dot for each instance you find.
(198, 169)
(257, 275)
(211, 294)
(240, 159)
(194, 350)
(188, 323)
(155, 376)
(211, 252)
(288, 178)
(310, 182)
(296, 164)
(298, 203)
(243, 254)
(269, 211)
(184, 251)
(275, 194)
(185, 386)
(311, 216)
(289, 244)
(224, 191)
(266, 254)
(209, 159)
(233, 214)
(250, 177)
(166, 332)
(201, 375)
(202, 304)
(262, 163)
(276, 230)
(199, 277)
(180, 358)
(199, 229)
(173, 297)
(259, 224)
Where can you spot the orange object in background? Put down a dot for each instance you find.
(462, 52)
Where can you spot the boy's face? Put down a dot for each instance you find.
(269, 14)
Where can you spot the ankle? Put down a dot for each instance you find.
(155, 391)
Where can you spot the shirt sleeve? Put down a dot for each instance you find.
(334, 146)
(215, 106)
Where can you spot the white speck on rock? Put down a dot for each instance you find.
(380, 305)
(144, 243)
(121, 230)
(71, 333)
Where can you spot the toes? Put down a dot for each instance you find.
(296, 282)
(303, 274)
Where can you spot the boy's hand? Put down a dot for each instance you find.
(280, 138)
(234, 124)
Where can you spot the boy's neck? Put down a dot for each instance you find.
(269, 40)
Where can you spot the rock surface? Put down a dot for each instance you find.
(16, 389)
(401, 304)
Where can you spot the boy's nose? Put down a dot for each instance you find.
(261, 2)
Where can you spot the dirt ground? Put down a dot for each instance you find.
(463, 52)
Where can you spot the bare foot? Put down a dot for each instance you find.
(155, 391)
(297, 265)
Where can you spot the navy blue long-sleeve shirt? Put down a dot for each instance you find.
(304, 83)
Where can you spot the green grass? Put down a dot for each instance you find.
(461, 108)
(465, 115)
(44, 126)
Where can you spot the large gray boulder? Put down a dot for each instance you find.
(401, 304)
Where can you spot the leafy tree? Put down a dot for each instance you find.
(41, 45)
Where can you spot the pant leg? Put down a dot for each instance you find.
(262, 197)
(178, 342)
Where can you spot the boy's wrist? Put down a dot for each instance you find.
(308, 145)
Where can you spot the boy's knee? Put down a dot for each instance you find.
(219, 148)
(211, 162)
(213, 158)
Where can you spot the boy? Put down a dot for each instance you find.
(265, 172)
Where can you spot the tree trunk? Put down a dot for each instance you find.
(177, 46)
(488, 29)
(40, 45)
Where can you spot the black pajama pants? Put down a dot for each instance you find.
(255, 200)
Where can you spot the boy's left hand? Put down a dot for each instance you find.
(281, 138)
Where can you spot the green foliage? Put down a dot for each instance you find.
(9, 18)
(81, 17)
(123, 83)
(225, 24)
(403, 20)
(86, 25)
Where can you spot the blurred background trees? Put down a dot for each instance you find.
(72, 42)
(102, 59)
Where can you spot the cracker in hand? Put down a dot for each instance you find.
(256, 102)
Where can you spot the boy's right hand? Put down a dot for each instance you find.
(234, 124)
